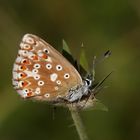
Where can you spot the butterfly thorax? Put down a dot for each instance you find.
(78, 92)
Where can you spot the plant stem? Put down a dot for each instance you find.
(78, 123)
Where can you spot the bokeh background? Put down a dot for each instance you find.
(100, 25)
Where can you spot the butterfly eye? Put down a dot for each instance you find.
(37, 66)
(66, 76)
(22, 67)
(58, 67)
(48, 66)
(25, 61)
(40, 83)
(46, 51)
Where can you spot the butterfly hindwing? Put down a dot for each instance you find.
(42, 72)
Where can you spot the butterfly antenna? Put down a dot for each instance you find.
(100, 83)
(102, 58)
(98, 90)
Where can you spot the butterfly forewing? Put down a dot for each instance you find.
(42, 72)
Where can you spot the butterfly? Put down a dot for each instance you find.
(40, 72)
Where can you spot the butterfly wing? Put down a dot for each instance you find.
(40, 71)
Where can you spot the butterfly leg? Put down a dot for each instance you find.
(82, 102)
(53, 112)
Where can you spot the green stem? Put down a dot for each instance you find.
(78, 123)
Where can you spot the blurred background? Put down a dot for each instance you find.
(99, 25)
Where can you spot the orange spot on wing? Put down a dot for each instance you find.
(23, 75)
(26, 62)
(23, 67)
(29, 94)
(35, 57)
(45, 56)
(25, 83)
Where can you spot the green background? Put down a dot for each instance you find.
(100, 25)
